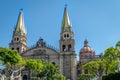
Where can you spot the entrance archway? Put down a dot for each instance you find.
(25, 77)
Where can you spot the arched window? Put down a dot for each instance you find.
(69, 47)
(25, 77)
(17, 39)
(67, 35)
(63, 48)
(18, 49)
(64, 35)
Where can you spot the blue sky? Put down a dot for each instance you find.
(96, 20)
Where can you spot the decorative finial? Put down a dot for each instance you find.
(21, 9)
(66, 5)
(86, 42)
(41, 38)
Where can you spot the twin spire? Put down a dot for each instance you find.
(20, 26)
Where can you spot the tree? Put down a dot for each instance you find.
(11, 57)
(86, 77)
(112, 76)
(109, 62)
(96, 67)
(35, 65)
(12, 61)
(59, 77)
(110, 57)
(49, 70)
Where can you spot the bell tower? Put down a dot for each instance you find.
(68, 59)
(18, 41)
(67, 36)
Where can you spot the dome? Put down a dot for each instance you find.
(87, 50)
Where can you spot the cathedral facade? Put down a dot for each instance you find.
(65, 58)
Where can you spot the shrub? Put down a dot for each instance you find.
(86, 77)
(112, 76)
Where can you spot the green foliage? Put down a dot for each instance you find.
(109, 62)
(95, 67)
(12, 61)
(111, 53)
(110, 57)
(91, 66)
(34, 65)
(86, 77)
(49, 70)
(35, 78)
(10, 57)
(112, 76)
(59, 77)
(118, 44)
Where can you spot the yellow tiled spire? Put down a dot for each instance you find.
(66, 21)
(20, 26)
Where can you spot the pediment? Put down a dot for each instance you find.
(40, 51)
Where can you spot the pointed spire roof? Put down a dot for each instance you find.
(20, 26)
(66, 19)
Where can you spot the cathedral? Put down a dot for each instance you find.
(65, 57)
